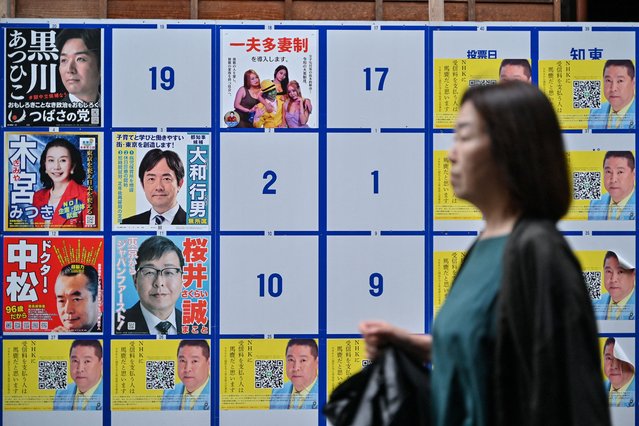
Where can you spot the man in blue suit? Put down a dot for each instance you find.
(620, 371)
(619, 280)
(619, 180)
(85, 393)
(619, 90)
(301, 368)
(194, 366)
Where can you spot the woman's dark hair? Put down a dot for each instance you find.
(527, 145)
(285, 81)
(77, 169)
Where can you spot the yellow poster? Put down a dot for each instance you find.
(445, 267)
(345, 358)
(446, 205)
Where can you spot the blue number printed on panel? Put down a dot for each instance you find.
(382, 79)
(274, 286)
(375, 174)
(376, 282)
(272, 177)
(167, 76)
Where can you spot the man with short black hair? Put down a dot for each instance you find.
(620, 371)
(77, 298)
(193, 368)
(515, 69)
(85, 393)
(618, 112)
(301, 369)
(619, 180)
(161, 174)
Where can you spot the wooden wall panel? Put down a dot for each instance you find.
(334, 10)
(148, 9)
(57, 9)
(242, 10)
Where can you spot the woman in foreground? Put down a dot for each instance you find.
(515, 343)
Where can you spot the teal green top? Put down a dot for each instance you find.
(464, 336)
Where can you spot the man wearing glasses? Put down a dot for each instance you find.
(158, 281)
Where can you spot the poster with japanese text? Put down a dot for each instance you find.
(602, 177)
(258, 374)
(608, 265)
(52, 180)
(268, 79)
(53, 77)
(161, 180)
(618, 358)
(163, 375)
(44, 375)
(159, 280)
(345, 358)
(463, 59)
(448, 254)
(53, 284)
(589, 77)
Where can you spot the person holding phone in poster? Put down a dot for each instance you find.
(63, 202)
(619, 281)
(301, 369)
(619, 180)
(193, 367)
(76, 291)
(80, 64)
(618, 112)
(161, 175)
(515, 342)
(85, 366)
(620, 371)
(158, 282)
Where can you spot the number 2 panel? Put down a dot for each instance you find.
(375, 79)
(161, 78)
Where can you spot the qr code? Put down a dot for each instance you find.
(160, 375)
(52, 375)
(586, 94)
(472, 83)
(593, 284)
(269, 373)
(586, 185)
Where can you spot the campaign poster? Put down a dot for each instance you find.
(346, 357)
(53, 77)
(448, 254)
(463, 59)
(172, 282)
(45, 375)
(589, 77)
(161, 181)
(260, 374)
(602, 178)
(158, 375)
(618, 358)
(53, 284)
(52, 180)
(269, 79)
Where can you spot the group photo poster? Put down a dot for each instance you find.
(268, 374)
(53, 77)
(162, 375)
(46, 375)
(51, 181)
(53, 284)
(162, 181)
(268, 79)
(162, 285)
(589, 77)
(463, 59)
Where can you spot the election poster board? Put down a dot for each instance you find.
(301, 173)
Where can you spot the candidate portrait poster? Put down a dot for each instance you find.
(53, 77)
(52, 180)
(38, 272)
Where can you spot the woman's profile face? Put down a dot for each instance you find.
(58, 164)
(473, 170)
(281, 75)
(254, 80)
